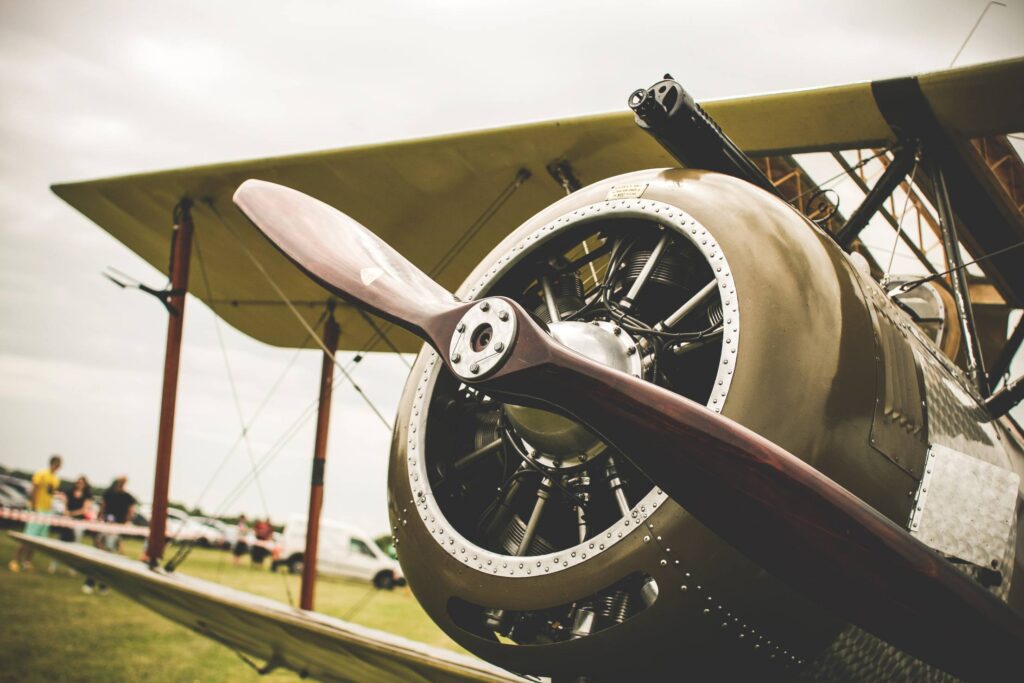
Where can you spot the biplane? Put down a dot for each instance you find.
(683, 419)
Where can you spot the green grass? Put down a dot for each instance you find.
(50, 630)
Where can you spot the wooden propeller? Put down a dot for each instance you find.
(791, 519)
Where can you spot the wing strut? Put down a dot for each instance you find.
(316, 484)
(181, 259)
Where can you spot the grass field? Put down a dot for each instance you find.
(51, 631)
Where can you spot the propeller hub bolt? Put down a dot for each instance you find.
(461, 327)
(474, 368)
(498, 346)
(503, 316)
(456, 357)
(485, 306)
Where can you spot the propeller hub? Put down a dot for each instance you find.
(483, 339)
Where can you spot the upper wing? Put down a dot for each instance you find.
(306, 642)
(446, 201)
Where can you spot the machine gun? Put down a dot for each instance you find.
(684, 129)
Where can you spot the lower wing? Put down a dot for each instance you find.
(308, 643)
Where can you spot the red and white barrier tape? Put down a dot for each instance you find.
(59, 520)
(119, 529)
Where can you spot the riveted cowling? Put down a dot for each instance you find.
(799, 368)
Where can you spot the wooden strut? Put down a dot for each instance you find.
(181, 257)
(316, 487)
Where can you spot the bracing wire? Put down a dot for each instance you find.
(387, 340)
(256, 413)
(907, 286)
(842, 176)
(231, 376)
(360, 604)
(275, 449)
(302, 321)
(522, 175)
(899, 222)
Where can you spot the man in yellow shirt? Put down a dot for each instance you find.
(45, 483)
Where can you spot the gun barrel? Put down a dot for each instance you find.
(672, 117)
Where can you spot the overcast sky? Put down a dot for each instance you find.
(91, 89)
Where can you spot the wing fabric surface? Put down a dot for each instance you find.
(306, 642)
(425, 197)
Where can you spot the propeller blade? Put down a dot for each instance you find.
(788, 517)
(346, 258)
(784, 514)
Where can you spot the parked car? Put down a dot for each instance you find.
(216, 533)
(180, 526)
(14, 492)
(344, 550)
(12, 498)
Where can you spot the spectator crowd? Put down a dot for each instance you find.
(79, 505)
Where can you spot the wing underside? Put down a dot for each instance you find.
(308, 643)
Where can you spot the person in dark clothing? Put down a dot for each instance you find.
(79, 508)
(118, 504)
(117, 507)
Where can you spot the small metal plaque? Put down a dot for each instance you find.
(965, 507)
(631, 191)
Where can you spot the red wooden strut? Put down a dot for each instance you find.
(181, 257)
(316, 487)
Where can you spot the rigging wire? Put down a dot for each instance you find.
(522, 175)
(899, 223)
(257, 412)
(235, 303)
(230, 374)
(842, 174)
(361, 603)
(275, 449)
(387, 340)
(284, 297)
(907, 286)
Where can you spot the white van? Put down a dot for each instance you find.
(344, 550)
